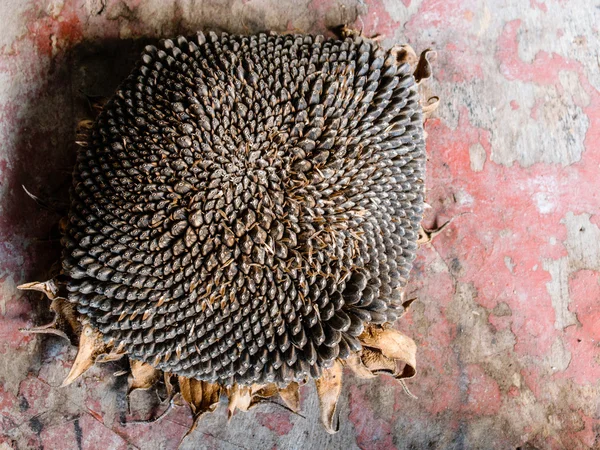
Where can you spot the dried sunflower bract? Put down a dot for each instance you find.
(244, 216)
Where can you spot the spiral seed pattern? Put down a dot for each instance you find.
(245, 205)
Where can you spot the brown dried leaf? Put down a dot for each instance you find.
(240, 397)
(329, 387)
(423, 70)
(68, 318)
(432, 104)
(143, 375)
(168, 384)
(47, 287)
(393, 345)
(426, 235)
(291, 396)
(108, 357)
(264, 390)
(356, 365)
(202, 396)
(404, 54)
(260, 392)
(90, 346)
(49, 328)
(377, 363)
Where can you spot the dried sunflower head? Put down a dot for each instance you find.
(244, 215)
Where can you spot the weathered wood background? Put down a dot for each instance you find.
(507, 319)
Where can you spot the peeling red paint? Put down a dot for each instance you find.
(539, 5)
(50, 34)
(582, 341)
(437, 14)
(277, 423)
(377, 21)
(372, 433)
(543, 70)
(483, 393)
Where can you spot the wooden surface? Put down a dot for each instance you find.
(507, 318)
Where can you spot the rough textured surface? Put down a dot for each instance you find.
(506, 321)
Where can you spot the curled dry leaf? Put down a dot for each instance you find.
(108, 357)
(432, 104)
(262, 392)
(405, 54)
(168, 384)
(66, 321)
(91, 346)
(406, 304)
(376, 363)
(240, 397)
(329, 387)
(423, 70)
(354, 363)
(143, 375)
(47, 287)
(393, 345)
(49, 328)
(202, 397)
(291, 396)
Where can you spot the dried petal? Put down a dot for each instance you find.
(202, 397)
(405, 54)
(67, 318)
(423, 70)
(240, 397)
(47, 287)
(108, 357)
(329, 387)
(432, 104)
(355, 363)
(49, 328)
(291, 396)
(261, 392)
(377, 363)
(168, 384)
(143, 375)
(90, 346)
(395, 346)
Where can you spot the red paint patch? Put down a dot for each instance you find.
(538, 5)
(51, 34)
(483, 393)
(434, 13)
(278, 423)
(377, 21)
(582, 341)
(543, 70)
(371, 432)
